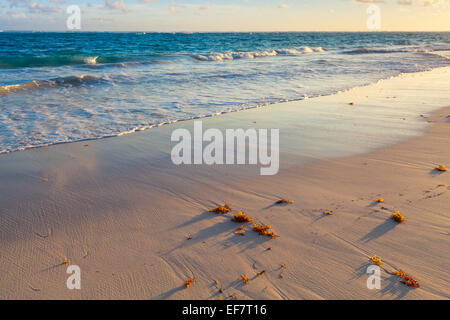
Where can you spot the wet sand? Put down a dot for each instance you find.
(138, 226)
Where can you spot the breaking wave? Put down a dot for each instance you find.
(395, 50)
(54, 61)
(72, 81)
(227, 56)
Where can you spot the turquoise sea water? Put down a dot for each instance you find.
(62, 87)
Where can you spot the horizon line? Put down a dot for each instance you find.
(181, 31)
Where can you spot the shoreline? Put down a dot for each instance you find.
(212, 115)
(121, 211)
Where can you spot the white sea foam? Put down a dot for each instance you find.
(444, 54)
(56, 82)
(226, 56)
(44, 106)
(91, 60)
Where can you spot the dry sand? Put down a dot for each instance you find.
(138, 226)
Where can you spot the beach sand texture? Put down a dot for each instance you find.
(139, 226)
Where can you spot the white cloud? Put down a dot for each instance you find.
(16, 3)
(116, 5)
(19, 16)
(206, 6)
(173, 6)
(369, 1)
(35, 7)
(425, 3)
(428, 3)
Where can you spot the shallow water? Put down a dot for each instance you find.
(62, 87)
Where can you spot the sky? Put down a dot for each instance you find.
(226, 15)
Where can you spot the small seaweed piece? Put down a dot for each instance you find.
(441, 168)
(244, 279)
(329, 212)
(260, 273)
(264, 230)
(376, 260)
(240, 233)
(189, 282)
(261, 229)
(380, 200)
(351, 103)
(283, 265)
(216, 282)
(282, 201)
(221, 209)
(35, 289)
(241, 217)
(407, 280)
(398, 217)
(240, 228)
(65, 261)
(271, 234)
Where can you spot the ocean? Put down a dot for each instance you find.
(65, 87)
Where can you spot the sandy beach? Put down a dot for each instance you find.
(138, 226)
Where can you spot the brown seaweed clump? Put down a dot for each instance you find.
(221, 209)
(264, 230)
(189, 282)
(376, 260)
(441, 168)
(398, 217)
(244, 279)
(261, 229)
(407, 280)
(260, 273)
(241, 217)
(283, 201)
